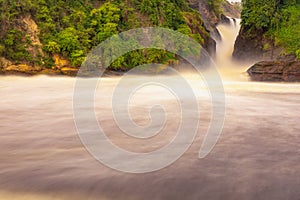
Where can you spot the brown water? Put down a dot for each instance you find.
(256, 157)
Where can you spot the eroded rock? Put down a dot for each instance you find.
(60, 61)
(22, 69)
(69, 71)
(275, 71)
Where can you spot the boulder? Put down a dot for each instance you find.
(51, 72)
(292, 72)
(22, 69)
(60, 61)
(288, 71)
(69, 71)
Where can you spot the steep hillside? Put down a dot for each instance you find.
(270, 30)
(214, 11)
(54, 36)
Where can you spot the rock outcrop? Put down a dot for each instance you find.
(22, 68)
(35, 57)
(211, 19)
(29, 26)
(253, 46)
(28, 70)
(60, 61)
(288, 71)
(232, 10)
(248, 46)
(69, 71)
(61, 67)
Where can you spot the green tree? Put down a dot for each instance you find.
(52, 47)
(68, 40)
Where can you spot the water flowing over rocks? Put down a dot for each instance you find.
(225, 19)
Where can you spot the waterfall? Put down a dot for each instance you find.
(257, 155)
(229, 33)
(229, 70)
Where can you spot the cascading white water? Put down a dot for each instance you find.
(229, 69)
(41, 156)
(228, 33)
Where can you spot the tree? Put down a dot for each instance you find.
(52, 47)
(68, 40)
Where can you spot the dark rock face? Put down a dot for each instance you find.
(251, 45)
(209, 18)
(248, 46)
(210, 46)
(275, 71)
(224, 19)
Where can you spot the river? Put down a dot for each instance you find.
(257, 155)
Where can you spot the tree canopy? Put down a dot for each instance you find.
(72, 28)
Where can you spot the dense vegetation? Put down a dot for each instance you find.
(71, 28)
(278, 20)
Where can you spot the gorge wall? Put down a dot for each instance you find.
(270, 32)
(54, 36)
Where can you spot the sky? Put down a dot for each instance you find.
(234, 0)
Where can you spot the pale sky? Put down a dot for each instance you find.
(234, 0)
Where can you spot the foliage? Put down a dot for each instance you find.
(52, 47)
(105, 20)
(165, 13)
(13, 49)
(73, 27)
(2, 48)
(289, 32)
(298, 54)
(278, 20)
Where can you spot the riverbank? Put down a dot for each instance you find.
(27, 70)
(280, 70)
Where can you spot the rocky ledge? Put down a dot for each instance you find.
(60, 67)
(288, 71)
(27, 70)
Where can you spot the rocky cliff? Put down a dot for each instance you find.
(270, 33)
(53, 37)
(256, 46)
(212, 15)
(271, 64)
